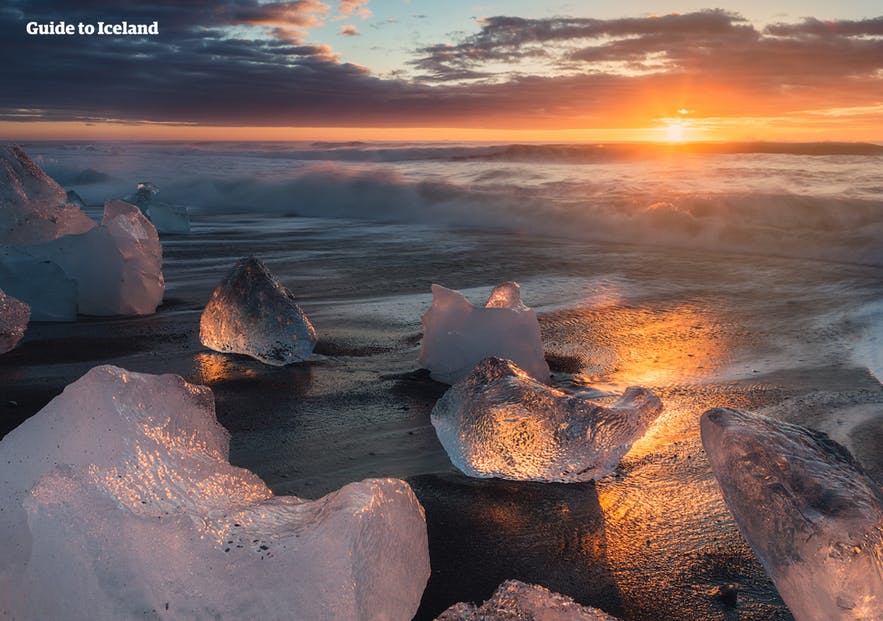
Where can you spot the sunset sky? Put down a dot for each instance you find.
(452, 70)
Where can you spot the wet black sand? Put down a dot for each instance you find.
(654, 540)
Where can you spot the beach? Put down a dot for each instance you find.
(749, 280)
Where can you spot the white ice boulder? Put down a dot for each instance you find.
(33, 207)
(500, 422)
(117, 266)
(14, 316)
(808, 510)
(458, 335)
(252, 313)
(166, 218)
(518, 601)
(117, 502)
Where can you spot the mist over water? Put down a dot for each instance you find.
(811, 201)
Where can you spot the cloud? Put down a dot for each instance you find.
(348, 30)
(347, 8)
(244, 62)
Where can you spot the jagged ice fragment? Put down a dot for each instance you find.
(166, 218)
(806, 507)
(500, 422)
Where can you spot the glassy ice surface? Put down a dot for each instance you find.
(33, 207)
(14, 316)
(517, 601)
(458, 335)
(117, 266)
(166, 218)
(118, 502)
(51, 295)
(500, 422)
(811, 514)
(252, 313)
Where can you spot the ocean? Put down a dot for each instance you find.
(746, 275)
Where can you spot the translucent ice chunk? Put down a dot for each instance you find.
(33, 207)
(14, 317)
(119, 503)
(166, 218)
(458, 335)
(811, 514)
(51, 295)
(252, 313)
(517, 601)
(117, 266)
(500, 422)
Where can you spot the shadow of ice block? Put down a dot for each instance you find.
(810, 513)
(500, 422)
(119, 502)
(458, 335)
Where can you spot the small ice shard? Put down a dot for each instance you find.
(33, 207)
(119, 503)
(117, 266)
(811, 514)
(75, 199)
(500, 422)
(166, 218)
(518, 601)
(51, 295)
(252, 313)
(14, 317)
(458, 335)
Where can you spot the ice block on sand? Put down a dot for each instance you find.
(117, 266)
(119, 503)
(517, 601)
(252, 313)
(14, 316)
(458, 335)
(51, 295)
(166, 218)
(806, 507)
(500, 422)
(33, 207)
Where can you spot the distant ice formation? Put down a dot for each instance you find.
(33, 207)
(252, 313)
(118, 503)
(500, 422)
(117, 267)
(166, 218)
(517, 601)
(811, 514)
(14, 316)
(458, 335)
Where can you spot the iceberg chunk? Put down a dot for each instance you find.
(117, 266)
(33, 207)
(252, 313)
(51, 295)
(14, 317)
(458, 335)
(517, 601)
(500, 422)
(811, 514)
(166, 218)
(119, 503)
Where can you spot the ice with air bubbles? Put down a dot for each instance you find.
(501, 422)
(808, 510)
(14, 316)
(518, 601)
(33, 207)
(458, 335)
(252, 313)
(119, 503)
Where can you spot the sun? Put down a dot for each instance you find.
(675, 131)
